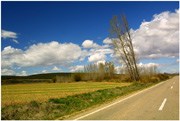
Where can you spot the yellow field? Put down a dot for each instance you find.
(23, 93)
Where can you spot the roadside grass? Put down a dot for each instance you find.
(58, 107)
(25, 93)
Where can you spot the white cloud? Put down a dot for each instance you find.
(97, 57)
(49, 54)
(90, 44)
(7, 72)
(10, 51)
(103, 62)
(121, 69)
(107, 40)
(15, 41)
(84, 53)
(148, 65)
(44, 71)
(9, 56)
(76, 68)
(104, 51)
(56, 69)
(159, 37)
(23, 73)
(96, 52)
(9, 34)
(42, 54)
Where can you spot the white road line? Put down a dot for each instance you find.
(117, 102)
(163, 103)
(171, 87)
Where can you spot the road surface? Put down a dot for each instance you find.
(159, 102)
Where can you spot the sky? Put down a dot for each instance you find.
(49, 37)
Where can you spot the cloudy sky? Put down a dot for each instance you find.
(47, 37)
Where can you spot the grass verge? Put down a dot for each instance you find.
(59, 107)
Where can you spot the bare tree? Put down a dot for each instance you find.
(122, 45)
(101, 71)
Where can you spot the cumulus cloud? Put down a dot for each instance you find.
(42, 54)
(121, 69)
(96, 52)
(44, 71)
(9, 34)
(56, 69)
(7, 72)
(9, 56)
(23, 73)
(107, 40)
(97, 57)
(158, 37)
(89, 44)
(50, 54)
(76, 68)
(148, 65)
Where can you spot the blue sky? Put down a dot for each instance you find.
(32, 31)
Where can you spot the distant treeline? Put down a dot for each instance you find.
(38, 78)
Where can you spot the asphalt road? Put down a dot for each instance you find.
(159, 102)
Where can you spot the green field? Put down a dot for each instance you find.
(24, 93)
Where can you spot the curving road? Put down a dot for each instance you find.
(159, 102)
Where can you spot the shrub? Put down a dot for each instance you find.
(77, 76)
(49, 81)
(34, 104)
(54, 79)
(162, 76)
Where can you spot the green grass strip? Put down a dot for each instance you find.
(58, 107)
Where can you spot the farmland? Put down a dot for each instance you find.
(24, 93)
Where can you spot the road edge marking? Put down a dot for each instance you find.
(163, 103)
(118, 101)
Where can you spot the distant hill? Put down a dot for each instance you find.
(5, 79)
(36, 76)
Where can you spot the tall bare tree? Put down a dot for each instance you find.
(122, 44)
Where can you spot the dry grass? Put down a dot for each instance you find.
(24, 93)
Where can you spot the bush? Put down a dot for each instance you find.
(49, 81)
(154, 79)
(127, 79)
(163, 76)
(77, 76)
(54, 79)
(34, 104)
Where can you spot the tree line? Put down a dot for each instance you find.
(95, 72)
